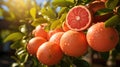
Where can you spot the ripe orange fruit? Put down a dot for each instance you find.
(49, 53)
(56, 37)
(51, 32)
(102, 39)
(79, 18)
(65, 27)
(40, 32)
(34, 43)
(74, 43)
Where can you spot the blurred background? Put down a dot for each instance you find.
(16, 15)
(11, 12)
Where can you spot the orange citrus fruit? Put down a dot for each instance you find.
(51, 32)
(65, 27)
(56, 37)
(34, 43)
(40, 32)
(102, 39)
(49, 53)
(74, 43)
(79, 18)
(96, 5)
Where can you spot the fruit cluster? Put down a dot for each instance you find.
(80, 30)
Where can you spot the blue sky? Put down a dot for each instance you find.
(40, 1)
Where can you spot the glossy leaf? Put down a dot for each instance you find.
(104, 11)
(62, 10)
(111, 4)
(86, 1)
(39, 21)
(15, 45)
(14, 37)
(21, 52)
(55, 24)
(49, 12)
(63, 3)
(24, 57)
(115, 20)
(63, 17)
(33, 12)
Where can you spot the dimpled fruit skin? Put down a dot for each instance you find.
(49, 53)
(40, 32)
(34, 43)
(102, 39)
(56, 37)
(74, 43)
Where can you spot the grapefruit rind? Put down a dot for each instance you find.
(85, 17)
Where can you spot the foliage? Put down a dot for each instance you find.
(28, 15)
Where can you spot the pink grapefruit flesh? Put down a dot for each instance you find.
(78, 18)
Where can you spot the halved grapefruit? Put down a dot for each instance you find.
(79, 18)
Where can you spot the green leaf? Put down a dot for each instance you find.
(21, 52)
(33, 12)
(81, 63)
(111, 4)
(114, 20)
(104, 55)
(86, 1)
(49, 12)
(39, 21)
(24, 57)
(104, 11)
(63, 17)
(13, 37)
(62, 11)
(55, 24)
(15, 45)
(63, 3)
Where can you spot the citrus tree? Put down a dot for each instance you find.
(61, 33)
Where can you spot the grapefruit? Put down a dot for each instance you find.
(51, 32)
(74, 43)
(34, 43)
(96, 5)
(102, 39)
(56, 37)
(79, 18)
(49, 53)
(65, 27)
(40, 32)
